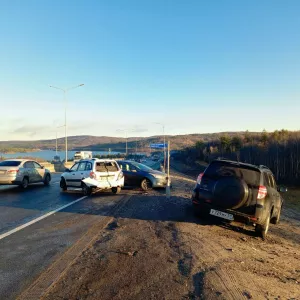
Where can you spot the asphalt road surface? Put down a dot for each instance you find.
(138, 245)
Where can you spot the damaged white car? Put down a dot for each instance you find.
(93, 175)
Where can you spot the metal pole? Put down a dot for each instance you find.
(164, 147)
(168, 187)
(56, 144)
(66, 138)
(126, 144)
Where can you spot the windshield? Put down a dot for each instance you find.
(142, 167)
(10, 163)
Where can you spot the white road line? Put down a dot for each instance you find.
(4, 235)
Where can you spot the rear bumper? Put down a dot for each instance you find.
(92, 183)
(10, 182)
(205, 207)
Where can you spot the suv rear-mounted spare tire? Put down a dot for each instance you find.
(230, 192)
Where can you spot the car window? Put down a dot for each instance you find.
(131, 167)
(106, 166)
(88, 166)
(274, 182)
(29, 165)
(266, 180)
(217, 170)
(36, 165)
(271, 179)
(10, 163)
(74, 168)
(82, 166)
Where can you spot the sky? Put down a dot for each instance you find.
(194, 66)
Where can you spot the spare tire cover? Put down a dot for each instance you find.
(230, 192)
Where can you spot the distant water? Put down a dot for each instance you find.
(49, 154)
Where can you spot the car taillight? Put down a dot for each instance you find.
(13, 171)
(120, 175)
(262, 192)
(93, 175)
(199, 178)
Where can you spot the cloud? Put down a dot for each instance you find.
(139, 129)
(31, 130)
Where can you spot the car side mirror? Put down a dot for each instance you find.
(67, 170)
(282, 189)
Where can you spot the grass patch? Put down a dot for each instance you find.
(292, 198)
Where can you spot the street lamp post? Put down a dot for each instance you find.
(65, 100)
(163, 128)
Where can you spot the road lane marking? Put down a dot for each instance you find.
(49, 277)
(6, 234)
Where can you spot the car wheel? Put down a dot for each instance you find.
(24, 183)
(276, 220)
(47, 180)
(146, 184)
(63, 184)
(262, 229)
(87, 191)
(116, 190)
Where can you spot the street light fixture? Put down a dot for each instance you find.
(165, 155)
(65, 100)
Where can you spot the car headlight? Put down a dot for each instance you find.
(157, 176)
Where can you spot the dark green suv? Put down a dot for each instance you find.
(239, 192)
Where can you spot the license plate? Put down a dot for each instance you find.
(221, 214)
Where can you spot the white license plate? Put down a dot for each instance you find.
(221, 214)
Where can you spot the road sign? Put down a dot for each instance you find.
(158, 146)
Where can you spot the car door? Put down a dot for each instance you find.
(135, 175)
(127, 173)
(30, 171)
(277, 196)
(71, 176)
(39, 172)
(81, 172)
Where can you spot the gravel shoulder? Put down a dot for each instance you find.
(154, 248)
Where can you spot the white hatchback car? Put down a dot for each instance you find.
(93, 175)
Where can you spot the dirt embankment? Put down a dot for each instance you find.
(156, 249)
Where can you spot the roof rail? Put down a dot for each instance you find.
(264, 167)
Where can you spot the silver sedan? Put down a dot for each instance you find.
(23, 172)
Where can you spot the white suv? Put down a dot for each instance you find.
(93, 175)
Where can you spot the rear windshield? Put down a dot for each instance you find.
(10, 163)
(217, 170)
(107, 166)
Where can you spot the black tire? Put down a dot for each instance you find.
(116, 190)
(146, 184)
(276, 220)
(47, 180)
(63, 184)
(87, 191)
(25, 183)
(262, 229)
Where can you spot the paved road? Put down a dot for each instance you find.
(27, 252)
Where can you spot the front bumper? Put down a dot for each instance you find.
(160, 182)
